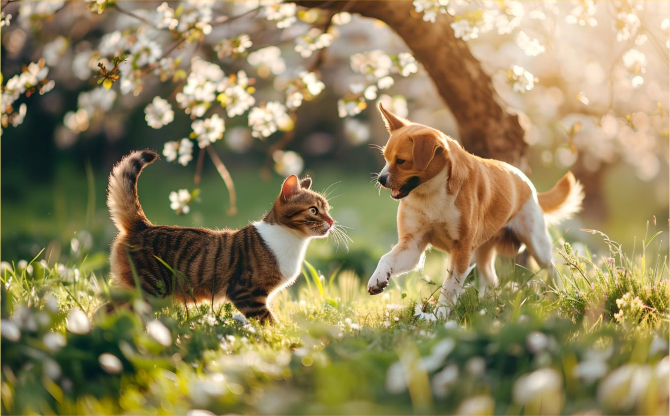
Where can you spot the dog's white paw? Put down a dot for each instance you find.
(378, 282)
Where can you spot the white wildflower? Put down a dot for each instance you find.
(10, 330)
(442, 380)
(159, 332)
(77, 322)
(540, 389)
(422, 315)
(477, 405)
(158, 113)
(54, 341)
(536, 342)
(110, 363)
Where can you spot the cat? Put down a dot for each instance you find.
(246, 266)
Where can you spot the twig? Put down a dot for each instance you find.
(133, 15)
(225, 175)
(198, 167)
(288, 137)
(225, 19)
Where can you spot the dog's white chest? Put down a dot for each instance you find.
(432, 208)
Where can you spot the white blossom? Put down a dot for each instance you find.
(146, 51)
(313, 40)
(200, 89)
(281, 13)
(626, 24)
(290, 163)
(521, 79)
(305, 86)
(170, 150)
(113, 44)
(583, 13)
(233, 47)
(267, 60)
(464, 29)
(209, 130)
(165, 17)
(430, 8)
(266, 119)
(531, 46)
(38, 9)
(5, 19)
(179, 201)
(54, 50)
(185, 151)
(158, 113)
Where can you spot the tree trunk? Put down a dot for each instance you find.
(485, 128)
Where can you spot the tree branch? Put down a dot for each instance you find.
(225, 175)
(485, 128)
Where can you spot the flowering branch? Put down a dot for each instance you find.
(225, 175)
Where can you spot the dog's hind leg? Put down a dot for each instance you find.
(485, 257)
(530, 228)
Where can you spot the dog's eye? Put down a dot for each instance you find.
(314, 211)
(399, 161)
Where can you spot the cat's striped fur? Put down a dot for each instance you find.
(244, 266)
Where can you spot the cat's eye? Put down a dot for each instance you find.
(399, 161)
(314, 211)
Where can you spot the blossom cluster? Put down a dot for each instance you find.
(31, 80)
(377, 67)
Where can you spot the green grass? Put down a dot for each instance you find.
(528, 347)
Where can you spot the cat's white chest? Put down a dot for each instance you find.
(288, 247)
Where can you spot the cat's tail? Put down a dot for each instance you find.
(124, 205)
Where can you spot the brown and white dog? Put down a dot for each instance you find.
(470, 207)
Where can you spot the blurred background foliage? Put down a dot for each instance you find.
(592, 106)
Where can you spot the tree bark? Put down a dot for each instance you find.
(485, 128)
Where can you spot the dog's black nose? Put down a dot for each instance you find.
(382, 179)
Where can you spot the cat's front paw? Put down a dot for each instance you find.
(378, 282)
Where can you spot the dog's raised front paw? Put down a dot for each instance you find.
(377, 284)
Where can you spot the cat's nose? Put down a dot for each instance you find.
(382, 179)
(329, 221)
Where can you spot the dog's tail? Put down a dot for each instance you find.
(124, 205)
(563, 200)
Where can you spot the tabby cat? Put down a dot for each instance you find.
(246, 266)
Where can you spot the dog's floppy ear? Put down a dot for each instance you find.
(391, 121)
(424, 149)
(457, 170)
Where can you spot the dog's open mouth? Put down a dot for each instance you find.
(406, 188)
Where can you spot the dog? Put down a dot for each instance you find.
(467, 206)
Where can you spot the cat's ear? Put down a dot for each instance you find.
(306, 183)
(290, 187)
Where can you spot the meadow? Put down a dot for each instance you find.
(597, 343)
